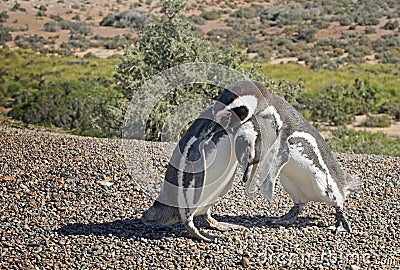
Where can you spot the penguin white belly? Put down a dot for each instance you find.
(220, 167)
(298, 178)
(298, 182)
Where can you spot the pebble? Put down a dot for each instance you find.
(245, 262)
(69, 202)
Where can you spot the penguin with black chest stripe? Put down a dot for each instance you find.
(289, 147)
(203, 166)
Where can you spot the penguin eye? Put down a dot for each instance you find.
(241, 112)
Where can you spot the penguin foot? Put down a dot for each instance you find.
(195, 233)
(341, 224)
(221, 226)
(290, 216)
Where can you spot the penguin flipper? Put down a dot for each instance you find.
(272, 164)
(251, 183)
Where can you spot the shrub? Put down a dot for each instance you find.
(5, 34)
(15, 7)
(211, 15)
(382, 120)
(197, 20)
(307, 34)
(361, 142)
(391, 25)
(82, 108)
(81, 28)
(56, 18)
(66, 24)
(76, 17)
(338, 104)
(42, 8)
(33, 42)
(3, 16)
(370, 30)
(52, 26)
(345, 21)
(247, 13)
(41, 13)
(107, 20)
(130, 18)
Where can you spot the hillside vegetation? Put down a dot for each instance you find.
(320, 34)
(88, 96)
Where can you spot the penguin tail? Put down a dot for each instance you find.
(352, 184)
(160, 214)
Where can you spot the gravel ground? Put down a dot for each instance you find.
(57, 211)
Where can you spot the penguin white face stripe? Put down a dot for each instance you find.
(248, 101)
(271, 110)
(331, 185)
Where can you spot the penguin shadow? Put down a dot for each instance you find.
(266, 221)
(124, 229)
(135, 229)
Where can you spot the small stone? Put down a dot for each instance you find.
(105, 183)
(245, 262)
(23, 186)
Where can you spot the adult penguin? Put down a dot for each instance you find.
(203, 166)
(292, 149)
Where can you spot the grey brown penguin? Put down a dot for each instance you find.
(289, 147)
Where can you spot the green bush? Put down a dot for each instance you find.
(211, 15)
(382, 120)
(197, 20)
(370, 30)
(73, 105)
(3, 16)
(52, 26)
(338, 104)
(346, 140)
(34, 42)
(15, 7)
(81, 28)
(5, 34)
(247, 13)
(307, 34)
(130, 18)
(391, 25)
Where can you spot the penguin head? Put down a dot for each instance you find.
(231, 111)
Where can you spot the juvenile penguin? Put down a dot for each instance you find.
(248, 147)
(202, 167)
(294, 150)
